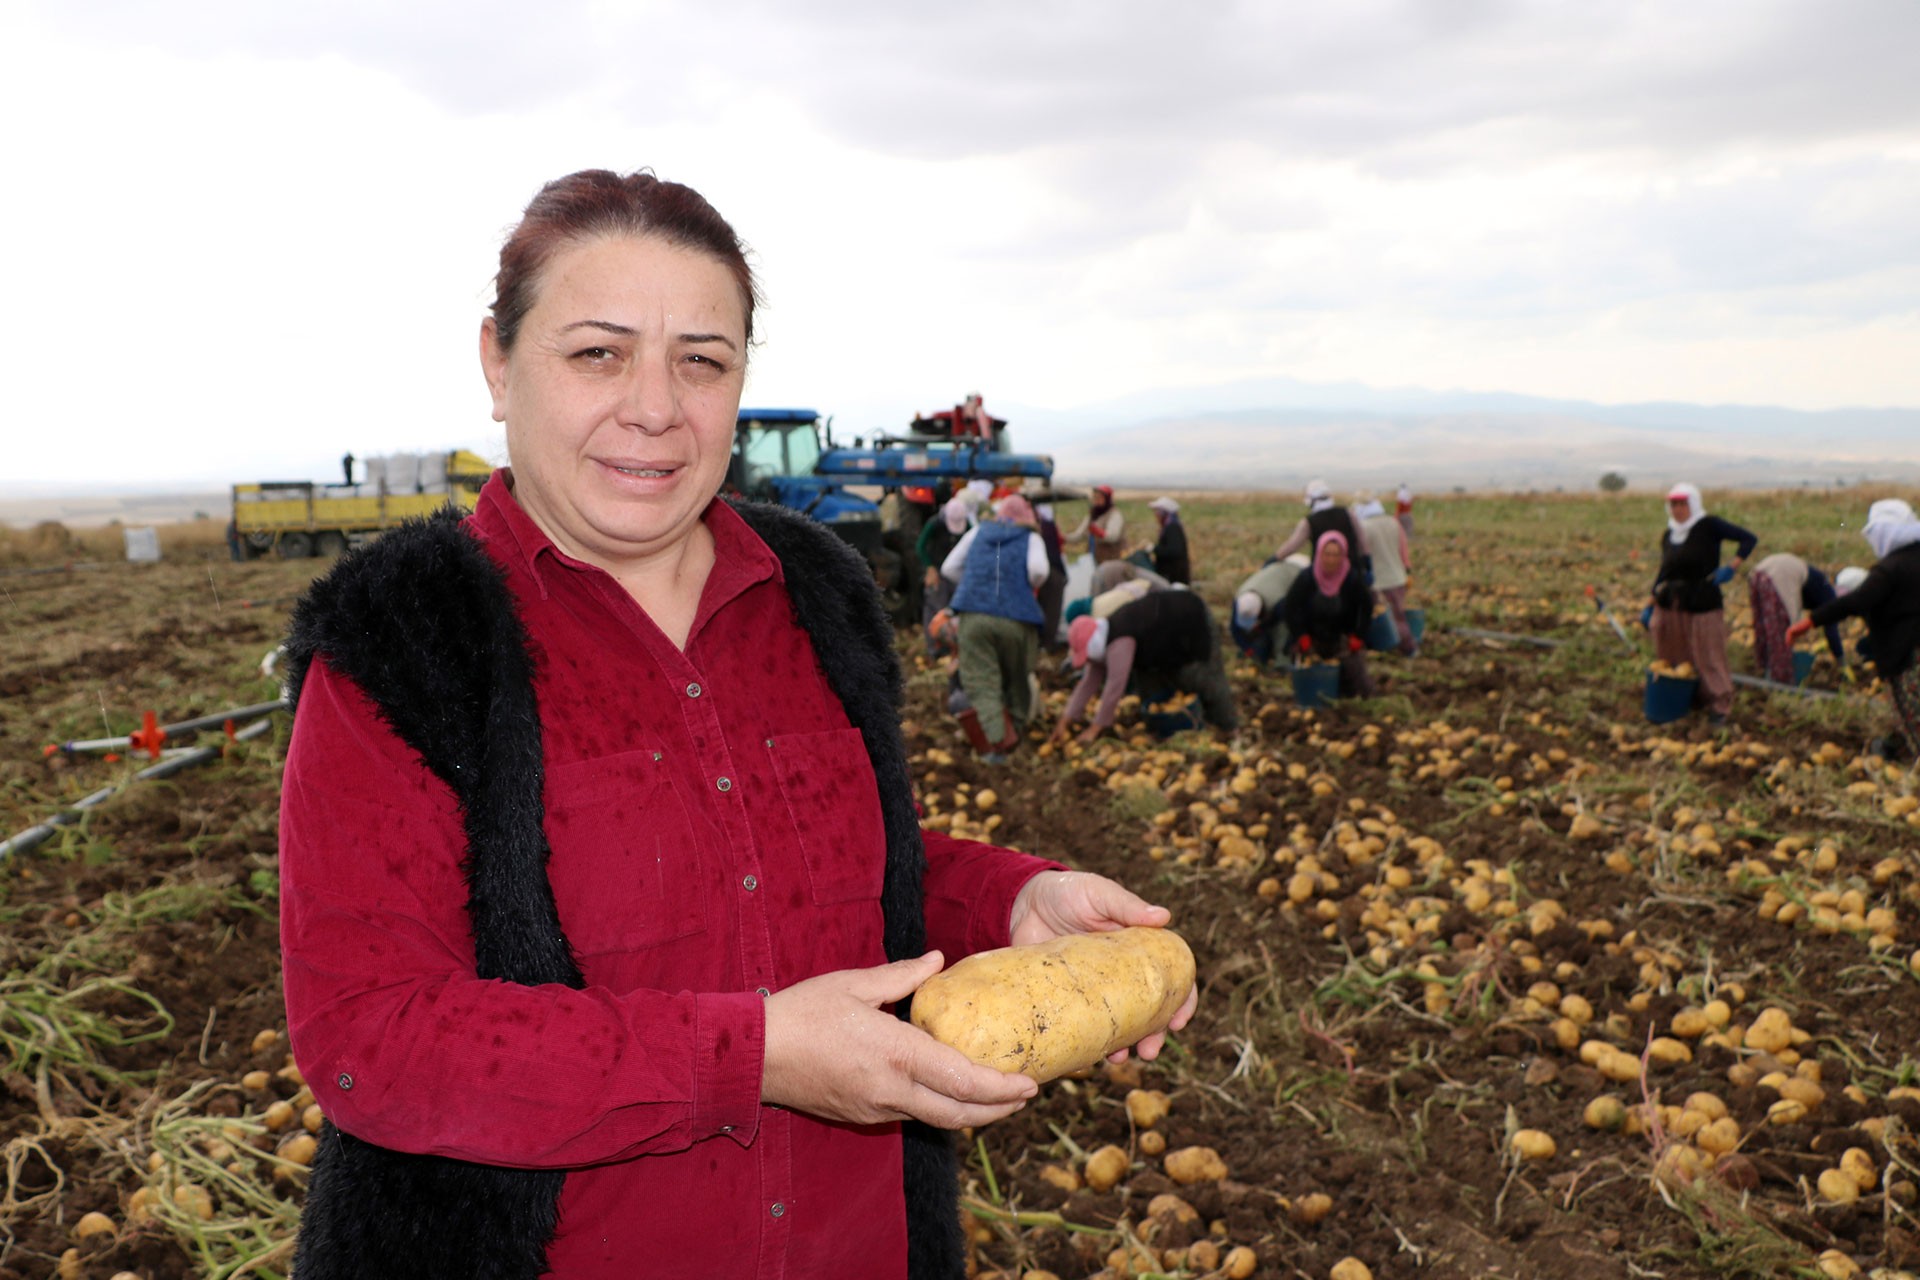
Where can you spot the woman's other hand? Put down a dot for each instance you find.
(1799, 629)
(833, 1052)
(1056, 903)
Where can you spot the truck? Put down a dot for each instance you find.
(297, 518)
(788, 456)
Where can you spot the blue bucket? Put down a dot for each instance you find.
(1316, 684)
(1668, 698)
(1417, 623)
(1802, 667)
(1382, 634)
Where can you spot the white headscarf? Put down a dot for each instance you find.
(956, 514)
(1890, 526)
(1677, 530)
(1369, 509)
(1319, 495)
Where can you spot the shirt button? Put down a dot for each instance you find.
(344, 1080)
(693, 691)
(750, 883)
(779, 1210)
(725, 784)
(763, 992)
(726, 1128)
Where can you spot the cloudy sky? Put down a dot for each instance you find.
(247, 237)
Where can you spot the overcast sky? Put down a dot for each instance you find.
(245, 237)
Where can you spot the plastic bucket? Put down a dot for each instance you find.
(1668, 698)
(1802, 667)
(1382, 634)
(1316, 684)
(1417, 623)
(1164, 724)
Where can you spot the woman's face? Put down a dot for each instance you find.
(620, 395)
(1680, 508)
(1332, 556)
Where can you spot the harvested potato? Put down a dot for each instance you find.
(1105, 1168)
(1240, 1262)
(1532, 1144)
(1195, 1164)
(92, 1224)
(1146, 1107)
(1350, 1269)
(1055, 1007)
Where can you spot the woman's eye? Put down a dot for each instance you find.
(594, 353)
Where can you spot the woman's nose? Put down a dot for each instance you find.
(651, 402)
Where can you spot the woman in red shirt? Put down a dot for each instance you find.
(599, 870)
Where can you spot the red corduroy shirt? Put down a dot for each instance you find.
(716, 835)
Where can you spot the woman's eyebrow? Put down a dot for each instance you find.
(627, 331)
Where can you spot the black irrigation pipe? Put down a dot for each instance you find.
(181, 730)
(1543, 642)
(40, 833)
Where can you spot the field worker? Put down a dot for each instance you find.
(1328, 610)
(1166, 637)
(1780, 589)
(1386, 540)
(1107, 603)
(1104, 528)
(1403, 508)
(1888, 597)
(1259, 623)
(1689, 620)
(937, 539)
(1170, 548)
(1324, 514)
(1114, 572)
(599, 863)
(998, 565)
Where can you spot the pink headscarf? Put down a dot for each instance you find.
(1329, 584)
(1015, 509)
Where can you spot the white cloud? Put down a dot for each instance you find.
(253, 236)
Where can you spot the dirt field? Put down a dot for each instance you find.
(1436, 929)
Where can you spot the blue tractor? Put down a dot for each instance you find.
(876, 497)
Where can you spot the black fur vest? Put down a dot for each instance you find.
(422, 621)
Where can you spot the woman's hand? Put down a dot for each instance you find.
(1799, 629)
(1056, 903)
(1089, 735)
(833, 1052)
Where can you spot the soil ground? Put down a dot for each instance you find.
(1424, 923)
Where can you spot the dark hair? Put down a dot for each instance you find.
(600, 202)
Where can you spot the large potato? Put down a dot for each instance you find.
(1054, 1007)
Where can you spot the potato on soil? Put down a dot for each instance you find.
(1350, 1269)
(1147, 1107)
(1195, 1164)
(1055, 1007)
(93, 1224)
(1105, 1168)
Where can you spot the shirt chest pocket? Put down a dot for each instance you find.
(625, 867)
(828, 783)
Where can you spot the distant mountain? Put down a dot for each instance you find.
(1359, 436)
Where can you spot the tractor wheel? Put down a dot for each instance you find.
(330, 545)
(294, 546)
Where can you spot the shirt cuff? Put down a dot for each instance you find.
(730, 1049)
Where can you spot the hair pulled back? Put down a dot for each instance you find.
(599, 202)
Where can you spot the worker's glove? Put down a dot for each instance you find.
(1799, 629)
(1723, 575)
(1306, 645)
(1646, 617)
(1354, 644)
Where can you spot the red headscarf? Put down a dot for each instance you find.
(1329, 583)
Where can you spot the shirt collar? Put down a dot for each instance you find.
(741, 558)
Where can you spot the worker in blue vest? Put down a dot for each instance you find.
(998, 565)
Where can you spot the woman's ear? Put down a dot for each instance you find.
(493, 364)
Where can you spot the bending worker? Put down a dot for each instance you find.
(1259, 623)
(1166, 636)
(999, 565)
(1329, 610)
(1780, 590)
(1889, 599)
